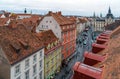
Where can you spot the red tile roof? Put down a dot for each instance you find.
(83, 20)
(18, 43)
(3, 21)
(0, 15)
(103, 37)
(87, 70)
(47, 37)
(111, 65)
(62, 20)
(94, 56)
(30, 23)
(101, 41)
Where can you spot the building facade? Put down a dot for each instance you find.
(63, 28)
(52, 54)
(99, 23)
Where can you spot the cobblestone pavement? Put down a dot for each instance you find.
(84, 44)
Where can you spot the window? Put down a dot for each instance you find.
(42, 26)
(52, 60)
(27, 74)
(46, 26)
(27, 63)
(57, 34)
(40, 64)
(40, 54)
(40, 75)
(34, 58)
(46, 21)
(35, 77)
(67, 27)
(47, 64)
(56, 26)
(50, 21)
(18, 77)
(63, 27)
(17, 69)
(34, 69)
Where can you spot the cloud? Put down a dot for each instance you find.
(81, 6)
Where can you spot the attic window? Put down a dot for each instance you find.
(25, 45)
(48, 47)
(16, 47)
(51, 45)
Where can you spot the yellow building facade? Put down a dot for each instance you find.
(52, 53)
(52, 62)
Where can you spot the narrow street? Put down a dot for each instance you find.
(84, 42)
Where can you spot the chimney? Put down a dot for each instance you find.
(50, 12)
(13, 24)
(59, 13)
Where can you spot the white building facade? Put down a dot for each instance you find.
(48, 22)
(99, 23)
(31, 67)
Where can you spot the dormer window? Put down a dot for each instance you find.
(51, 45)
(24, 44)
(67, 27)
(16, 47)
(48, 47)
(34, 58)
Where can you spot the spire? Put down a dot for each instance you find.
(31, 12)
(101, 15)
(94, 15)
(25, 11)
(109, 11)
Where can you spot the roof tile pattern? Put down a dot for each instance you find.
(47, 37)
(18, 43)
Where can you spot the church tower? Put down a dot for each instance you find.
(25, 11)
(109, 17)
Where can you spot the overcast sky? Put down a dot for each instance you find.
(75, 7)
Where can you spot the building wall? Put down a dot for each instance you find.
(4, 66)
(69, 43)
(67, 38)
(80, 27)
(48, 22)
(23, 69)
(23, 16)
(109, 20)
(99, 26)
(52, 62)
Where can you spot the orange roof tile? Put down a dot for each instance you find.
(62, 20)
(3, 21)
(87, 70)
(18, 43)
(94, 56)
(112, 63)
(47, 37)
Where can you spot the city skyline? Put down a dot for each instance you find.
(76, 7)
